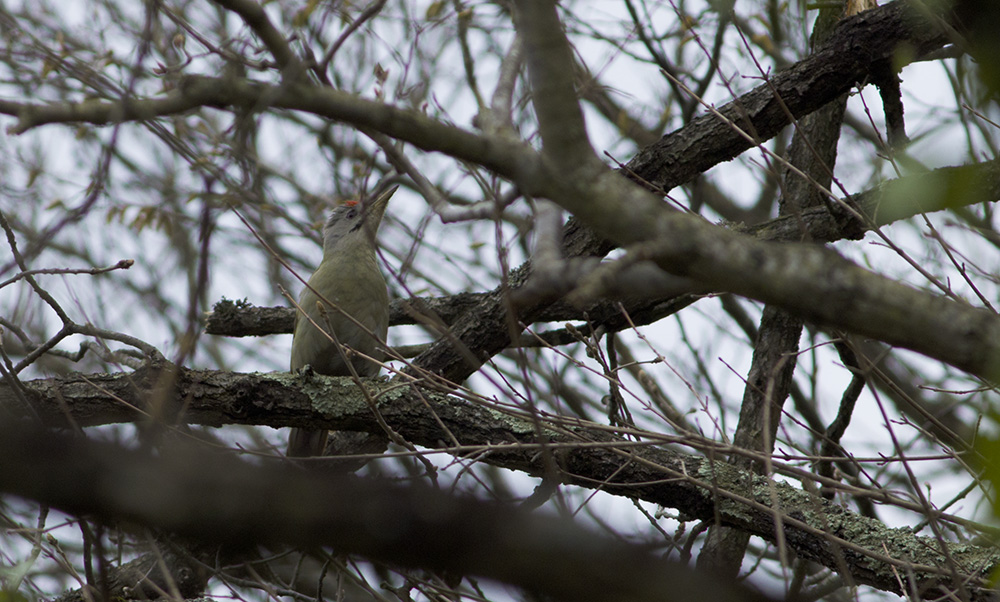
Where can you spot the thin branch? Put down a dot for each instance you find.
(254, 16)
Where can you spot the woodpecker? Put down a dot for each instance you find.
(347, 299)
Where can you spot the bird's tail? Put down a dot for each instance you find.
(303, 443)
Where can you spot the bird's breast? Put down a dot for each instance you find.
(358, 316)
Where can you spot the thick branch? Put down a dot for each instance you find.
(858, 43)
(857, 301)
(893, 201)
(813, 283)
(219, 499)
(587, 454)
(551, 68)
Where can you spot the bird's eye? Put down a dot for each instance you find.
(352, 213)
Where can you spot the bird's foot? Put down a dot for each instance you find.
(307, 371)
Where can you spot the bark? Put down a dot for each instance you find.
(701, 487)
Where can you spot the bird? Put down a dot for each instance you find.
(348, 299)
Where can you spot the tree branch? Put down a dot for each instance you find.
(587, 454)
(219, 499)
(893, 201)
(857, 43)
(814, 283)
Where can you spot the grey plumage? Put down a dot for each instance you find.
(349, 279)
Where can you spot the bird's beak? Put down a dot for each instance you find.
(376, 208)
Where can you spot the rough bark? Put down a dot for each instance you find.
(587, 455)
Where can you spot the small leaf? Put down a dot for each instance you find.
(434, 10)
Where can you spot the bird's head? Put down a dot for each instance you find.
(355, 219)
